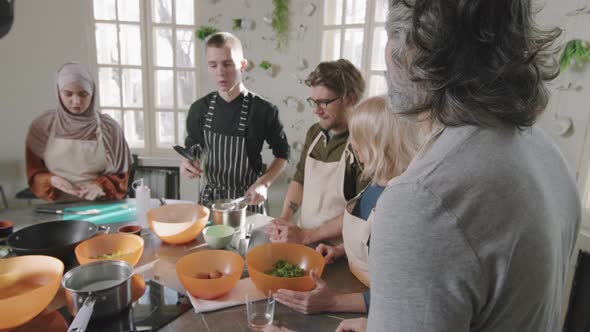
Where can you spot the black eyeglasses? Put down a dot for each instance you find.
(321, 103)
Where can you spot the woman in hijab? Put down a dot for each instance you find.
(73, 152)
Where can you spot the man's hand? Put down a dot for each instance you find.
(280, 230)
(330, 253)
(91, 191)
(190, 169)
(256, 194)
(65, 185)
(354, 325)
(318, 300)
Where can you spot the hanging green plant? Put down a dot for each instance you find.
(576, 53)
(205, 31)
(280, 22)
(264, 64)
(237, 24)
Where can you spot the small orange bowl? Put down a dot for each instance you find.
(27, 285)
(191, 268)
(126, 247)
(178, 223)
(263, 258)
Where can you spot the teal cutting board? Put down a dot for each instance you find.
(109, 213)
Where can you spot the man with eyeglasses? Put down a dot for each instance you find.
(327, 174)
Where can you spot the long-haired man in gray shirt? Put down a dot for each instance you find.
(476, 235)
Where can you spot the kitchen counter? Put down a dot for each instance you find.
(158, 261)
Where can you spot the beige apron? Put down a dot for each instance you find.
(323, 189)
(356, 233)
(77, 161)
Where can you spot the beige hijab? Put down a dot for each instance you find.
(80, 126)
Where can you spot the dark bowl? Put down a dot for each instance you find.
(6, 227)
(130, 229)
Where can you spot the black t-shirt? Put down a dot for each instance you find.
(263, 125)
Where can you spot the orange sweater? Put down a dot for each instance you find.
(113, 185)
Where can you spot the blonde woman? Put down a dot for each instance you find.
(385, 143)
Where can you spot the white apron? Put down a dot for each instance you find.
(323, 189)
(355, 234)
(77, 161)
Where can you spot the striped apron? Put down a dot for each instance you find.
(227, 168)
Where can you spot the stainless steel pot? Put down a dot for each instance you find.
(230, 214)
(97, 289)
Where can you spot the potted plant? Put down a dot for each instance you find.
(280, 22)
(576, 53)
(268, 67)
(237, 24)
(242, 23)
(205, 31)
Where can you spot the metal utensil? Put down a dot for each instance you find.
(223, 212)
(247, 236)
(162, 201)
(184, 152)
(61, 211)
(238, 200)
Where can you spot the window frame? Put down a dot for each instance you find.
(148, 69)
(369, 27)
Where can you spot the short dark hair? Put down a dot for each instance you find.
(470, 61)
(340, 76)
(221, 39)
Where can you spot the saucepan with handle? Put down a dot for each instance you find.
(100, 289)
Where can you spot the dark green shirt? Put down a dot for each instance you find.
(331, 151)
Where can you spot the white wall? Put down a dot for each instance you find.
(44, 35)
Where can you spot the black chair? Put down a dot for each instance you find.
(25, 194)
(3, 198)
(132, 171)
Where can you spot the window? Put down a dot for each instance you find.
(355, 30)
(129, 74)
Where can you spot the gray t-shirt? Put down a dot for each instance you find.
(475, 236)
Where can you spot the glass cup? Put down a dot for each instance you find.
(260, 312)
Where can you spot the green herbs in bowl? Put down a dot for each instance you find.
(285, 269)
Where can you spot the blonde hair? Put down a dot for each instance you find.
(387, 140)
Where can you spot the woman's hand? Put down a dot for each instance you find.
(354, 325)
(65, 185)
(91, 191)
(330, 253)
(280, 230)
(190, 169)
(318, 300)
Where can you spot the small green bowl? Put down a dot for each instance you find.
(218, 236)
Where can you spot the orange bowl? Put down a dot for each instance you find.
(129, 246)
(178, 223)
(27, 285)
(190, 266)
(263, 258)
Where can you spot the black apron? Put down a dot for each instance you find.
(227, 168)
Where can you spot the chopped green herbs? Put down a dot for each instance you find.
(285, 269)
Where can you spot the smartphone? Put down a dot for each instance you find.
(184, 152)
